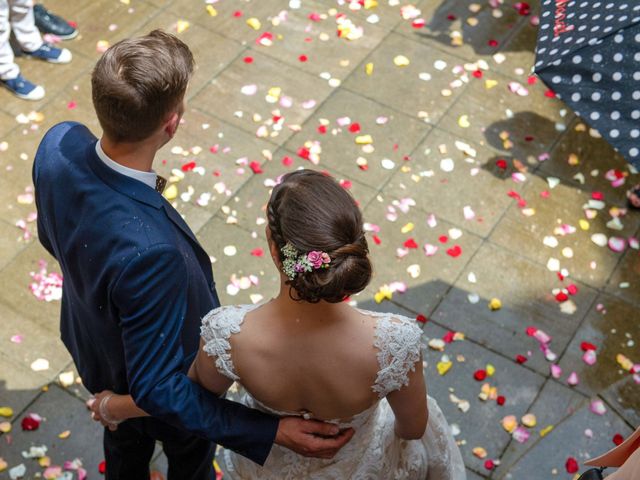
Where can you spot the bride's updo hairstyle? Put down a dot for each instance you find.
(312, 212)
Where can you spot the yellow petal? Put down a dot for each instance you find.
(44, 462)
(624, 362)
(479, 452)
(64, 434)
(463, 121)
(368, 68)
(254, 23)
(3, 465)
(529, 420)
(489, 84)
(171, 192)
(5, 427)
(444, 367)
(182, 26)
(364, 139)
(407, 228)
(584, 225)
(490, 370)
(212, 11)
(401, 61)
(6, 412)
(495, 304)
(573, 159)
(509, 423)
(546, 430)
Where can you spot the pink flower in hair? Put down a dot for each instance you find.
(315, 258)
(326, 259)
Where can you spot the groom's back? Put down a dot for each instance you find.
(93, 230)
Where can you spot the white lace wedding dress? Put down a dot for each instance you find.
(374, 452)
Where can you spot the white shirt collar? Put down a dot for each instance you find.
(148, 178)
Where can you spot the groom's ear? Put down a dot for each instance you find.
(171, 125)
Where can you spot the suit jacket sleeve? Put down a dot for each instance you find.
(150, 295)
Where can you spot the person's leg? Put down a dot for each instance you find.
(128, 451)
(190, 457)
(24, 26)
(8, 67)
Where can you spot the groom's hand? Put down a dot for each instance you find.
(311, 438)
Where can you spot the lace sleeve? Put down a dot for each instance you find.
(217, 327)
(398, 342)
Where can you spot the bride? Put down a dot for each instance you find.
(308, 353)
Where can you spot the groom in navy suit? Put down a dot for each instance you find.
(136, 281)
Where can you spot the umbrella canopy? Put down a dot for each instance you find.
(588, 53)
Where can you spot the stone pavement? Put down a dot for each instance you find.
(476, 184)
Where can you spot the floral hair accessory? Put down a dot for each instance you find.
(296, 262)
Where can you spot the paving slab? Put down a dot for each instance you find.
(582, 158)
(19, 386)
(273, 103)
(405, 91)
(207, 162)
(554, 404)
(525, 291)
(61, 413)
(107, 21)
(480, 425)
(545, 460)
(16, 294)
(519, 126)
(248, 206)
(613, 326)
(471, 31)
(25, 342)
(11, 242)
(624, 279)
(338, 129)
(562, 205)
(449, 176)
(427, 277)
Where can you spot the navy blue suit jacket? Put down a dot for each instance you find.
(136, 286)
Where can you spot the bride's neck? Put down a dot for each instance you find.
(321, 309)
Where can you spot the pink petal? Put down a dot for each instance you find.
(589, 357)
(573, 379)
(556, 371)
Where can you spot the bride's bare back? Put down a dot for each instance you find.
(315, 358)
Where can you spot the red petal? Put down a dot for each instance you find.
(572, 289)
(287, 161)
(489, 465)
(480, 375)
(187, 167)
(500, 400)
(410, 243)
(550, 94)
(102, 467)
(376, 240)
(584, 346)
(448, 337)
(322, 129)
(571, 465)
(421, 318)
(354, 127)
(501, 164)
(303, 58)
(248, 59)
(255, 166)
(562, 297)
(618, 439)
(443, 239)
(521, 359)
(597, 195)
(304, 153)
(531, 331)
(257, 252)
(454, 251)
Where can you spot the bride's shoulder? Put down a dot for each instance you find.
(393, 323)
(224, 320)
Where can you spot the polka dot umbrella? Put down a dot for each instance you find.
(588, 53)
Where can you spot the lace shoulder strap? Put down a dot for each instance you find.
(398, 342)
(217, 327)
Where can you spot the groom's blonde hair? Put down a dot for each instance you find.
(138, 82)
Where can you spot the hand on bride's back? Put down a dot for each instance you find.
(312, 438)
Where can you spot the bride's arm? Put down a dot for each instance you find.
(203, 371)
(409, 405)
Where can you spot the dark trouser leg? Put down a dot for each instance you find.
(128, 451)
(190, 457)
